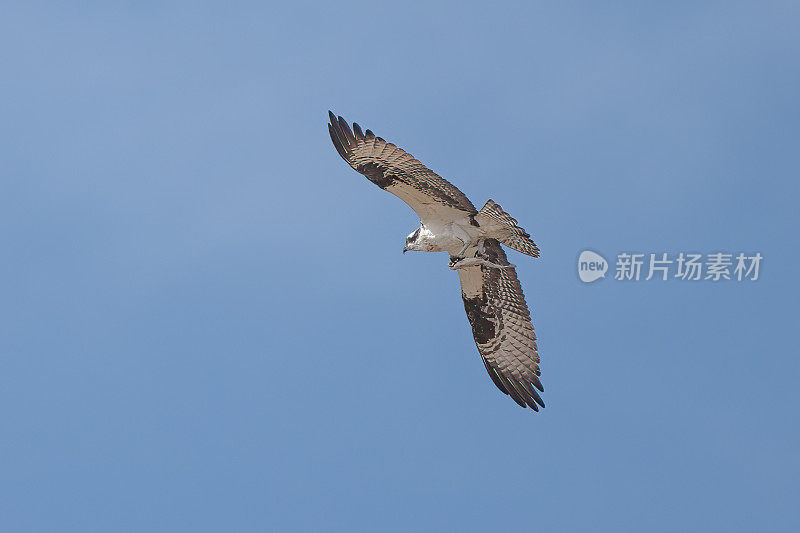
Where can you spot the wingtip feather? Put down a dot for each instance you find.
(348, 133)
(337, 143)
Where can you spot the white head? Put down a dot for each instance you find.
(418, 241)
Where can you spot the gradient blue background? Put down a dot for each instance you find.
(207, 323)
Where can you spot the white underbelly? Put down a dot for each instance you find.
(450, 237)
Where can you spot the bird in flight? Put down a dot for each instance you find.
(492, 294)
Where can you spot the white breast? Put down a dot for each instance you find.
(450, 236)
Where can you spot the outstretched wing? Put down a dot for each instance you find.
(398, 172)
(501, 325)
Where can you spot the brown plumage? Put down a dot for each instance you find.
(502, 328)
(384, 163)
(491, 293)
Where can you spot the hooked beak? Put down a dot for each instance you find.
(404, 250)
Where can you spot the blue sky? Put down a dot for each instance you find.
(208, 324)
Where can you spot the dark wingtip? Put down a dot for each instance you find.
(357, 131)
(336, 142)
(537, 383)
(539, 401)
(512, 391)
(518, 399)
(493, 374)
(529, 395)
(344, 127)
(535, 395)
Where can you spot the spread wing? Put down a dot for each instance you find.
(398, 172)
(501, 325)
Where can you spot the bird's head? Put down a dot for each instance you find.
(415, 242)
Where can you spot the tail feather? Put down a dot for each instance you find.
(509, 233)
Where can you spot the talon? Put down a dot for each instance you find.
(482, 258)
(454, 260)
(495, 265)
(457, 263)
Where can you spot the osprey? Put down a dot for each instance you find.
(492, 294)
